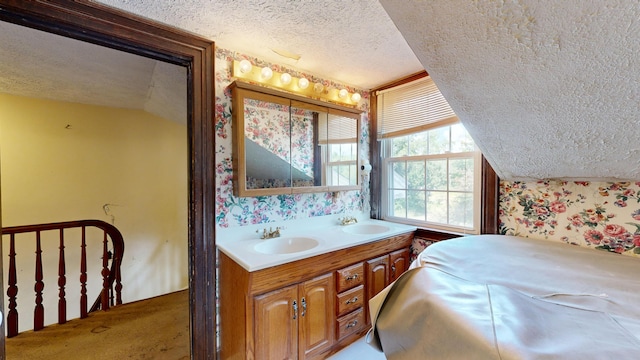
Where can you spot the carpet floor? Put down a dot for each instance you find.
(156, 328)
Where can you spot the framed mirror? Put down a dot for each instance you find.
(285, 144)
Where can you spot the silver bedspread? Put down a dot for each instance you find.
(503, 297)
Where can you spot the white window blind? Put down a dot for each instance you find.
(339, 129)
(412, 107)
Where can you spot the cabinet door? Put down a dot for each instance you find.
(317, 320)
(276, 319)
(399, 261)
(377, 275)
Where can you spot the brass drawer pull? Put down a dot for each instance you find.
(352, 277)
(351, 301)
(352, 324)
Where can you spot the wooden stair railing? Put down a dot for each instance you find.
(109, 295)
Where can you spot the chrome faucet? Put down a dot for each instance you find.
(347, 220)
(270, 234)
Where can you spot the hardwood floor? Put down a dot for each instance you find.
(156, 328)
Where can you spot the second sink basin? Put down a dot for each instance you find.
(286, 245)
(365, 229)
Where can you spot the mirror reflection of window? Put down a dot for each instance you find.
(342, 149)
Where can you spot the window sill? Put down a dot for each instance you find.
(436, 235)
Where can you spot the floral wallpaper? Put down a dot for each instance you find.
(235, 211)
(599, 215)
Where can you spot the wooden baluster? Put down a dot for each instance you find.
(112, 297)
(118, 280)
(12, 291)
(62, 281)
(38, 314)
(105, 273)
(83, 275)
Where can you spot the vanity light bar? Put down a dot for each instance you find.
(284, 81)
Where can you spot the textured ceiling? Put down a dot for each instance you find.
(547, 89)
(37, 64)
(352, 42)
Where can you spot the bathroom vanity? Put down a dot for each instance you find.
(305, 304)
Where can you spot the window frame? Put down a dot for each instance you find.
(489, 191)
(385, 173)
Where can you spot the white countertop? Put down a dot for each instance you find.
(238, 242)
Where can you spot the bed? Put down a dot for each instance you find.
(506, 297)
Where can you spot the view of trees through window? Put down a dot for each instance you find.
(430, 177)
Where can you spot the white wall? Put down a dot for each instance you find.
(62, 161)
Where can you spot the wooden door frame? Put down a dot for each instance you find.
(105, 26)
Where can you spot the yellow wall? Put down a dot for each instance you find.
(63, 161)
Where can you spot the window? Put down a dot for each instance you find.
(430, 169)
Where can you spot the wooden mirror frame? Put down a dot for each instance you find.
(98, 24)
(239, 145)
(241, 90)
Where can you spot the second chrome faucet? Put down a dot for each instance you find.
(270, 234)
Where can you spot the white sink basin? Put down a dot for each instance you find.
(286, 245)
(365, 229)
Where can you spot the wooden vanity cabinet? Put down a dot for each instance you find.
(377, 275)
(258, 318)
(350, 300)
(383, 270)
(274, 314)
(316, 330)
(295, 321)
(399, 261)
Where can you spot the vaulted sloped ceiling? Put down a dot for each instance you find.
(41, 65)
(354, 41)
(547, 89)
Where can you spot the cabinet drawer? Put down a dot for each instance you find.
(350, 323)
(349, 277)
(350, 300)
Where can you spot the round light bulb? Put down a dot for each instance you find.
(343, 93)
(245, 66)
(285, 78)
(318, 87)
(356, 97)
(266, 73)
(303, 83)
